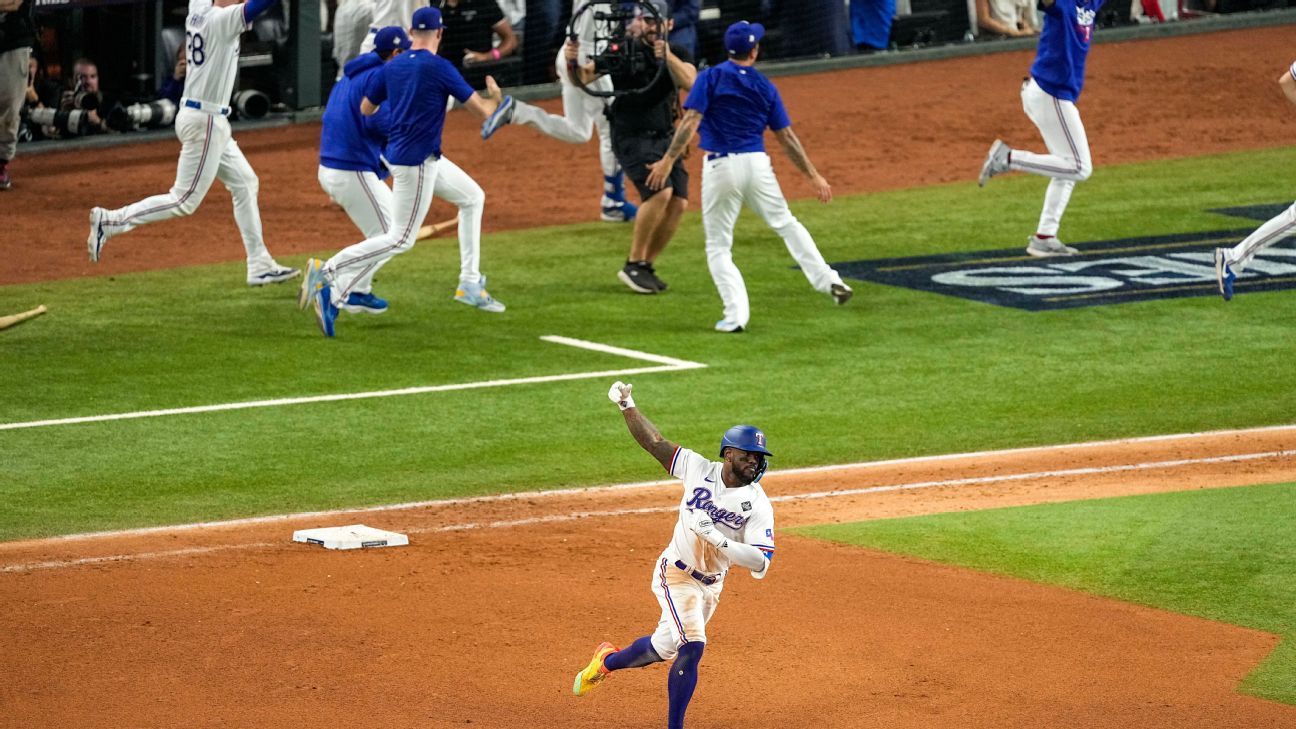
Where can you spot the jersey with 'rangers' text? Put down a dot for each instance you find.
(743, 514)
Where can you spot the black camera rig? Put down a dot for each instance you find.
(616, 50)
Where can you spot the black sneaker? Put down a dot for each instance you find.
(652, 275)
(637, 278)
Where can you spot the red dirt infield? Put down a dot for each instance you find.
(485, 625)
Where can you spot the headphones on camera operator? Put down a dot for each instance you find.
(616, 51)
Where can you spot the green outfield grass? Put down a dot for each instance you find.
(894, 373)
(1224, 554)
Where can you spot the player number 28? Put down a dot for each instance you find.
(194, 42)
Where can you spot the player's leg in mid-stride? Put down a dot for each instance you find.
(207, 153)
(367, 201)
(1068, 161)
(459, 189)
(1231, 262)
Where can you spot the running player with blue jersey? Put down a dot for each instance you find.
(207, 151)
(352, 173)
(1049, 98)
(725, 521)
(415, 86)
(731, 105)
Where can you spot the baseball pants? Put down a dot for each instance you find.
(367, 200)
(687, 605)
(727, 183)
(13, 92)
(582, 114)
(1068, 160)
(207, 153)
(411, 196)
(1274, 230)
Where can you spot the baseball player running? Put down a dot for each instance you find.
(724, 519)
(415, 86)
(352, 173)
(732, 104)
(582, 114)
(1049, 96)
(207, 151)
(1229, 262)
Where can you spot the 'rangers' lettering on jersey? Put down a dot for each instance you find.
(743, 514)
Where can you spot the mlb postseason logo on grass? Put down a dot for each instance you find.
(1105, 272)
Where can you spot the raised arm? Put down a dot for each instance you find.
(682, 72)
(253, 8)
(659, 171)
(796, 153)
(644, 432)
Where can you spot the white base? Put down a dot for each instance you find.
(356, 536)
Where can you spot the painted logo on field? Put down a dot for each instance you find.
(1105, 272)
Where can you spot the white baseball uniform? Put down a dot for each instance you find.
(399, 13)
(1068, 160)
(689, 575)
(1274, 229)
(582, 112)
(208, 151)
(351, 24)
(368, 202)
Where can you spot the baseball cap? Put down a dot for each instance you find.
(743, 36)
(390, 38)
(660, 6)
(427, 19)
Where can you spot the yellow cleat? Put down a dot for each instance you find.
(590, 676)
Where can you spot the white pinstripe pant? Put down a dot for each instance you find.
(411, 196)
(1275, 229)
(1068, 160)
(368, 202)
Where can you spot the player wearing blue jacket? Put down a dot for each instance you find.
(1049, 98)
(412, 90)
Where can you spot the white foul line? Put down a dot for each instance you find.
(572, 516)
(666, 364)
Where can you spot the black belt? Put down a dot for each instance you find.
(704, 579)
(712, 156)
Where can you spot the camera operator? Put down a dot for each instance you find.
(17, 37)
(79, 110)
(643, 122)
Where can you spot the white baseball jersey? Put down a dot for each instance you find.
(212, 50)
(742, 514)
(399, 13)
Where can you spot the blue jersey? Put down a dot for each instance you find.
(416, 86)
(348, 139)
(1063, 46)
(737, 103)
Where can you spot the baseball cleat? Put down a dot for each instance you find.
(652, 275)
(841, 293)
(1048, 247)
(275, 274)
(502, 115)
(475, 294)
(1224, 275)
(996, 162)
(325, 312)
(636, 276)
(5, 181)
(594, 673)
(618, 211)
(95, 243)
(728, 327)
(364, 304)
(312, 280)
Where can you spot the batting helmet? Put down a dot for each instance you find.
(748, 438)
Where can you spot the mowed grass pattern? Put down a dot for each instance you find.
(894, 373)
(1225, 554)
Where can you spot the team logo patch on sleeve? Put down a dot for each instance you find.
(769, 532)
(746, 506)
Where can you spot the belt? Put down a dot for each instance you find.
(712, 156)
(206, 107)
(700, 577)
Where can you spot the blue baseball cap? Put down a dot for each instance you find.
(427, 19)
(390, 38)
(743, 36)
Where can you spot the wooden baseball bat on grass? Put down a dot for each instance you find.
(19, 318)
(429, 231)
